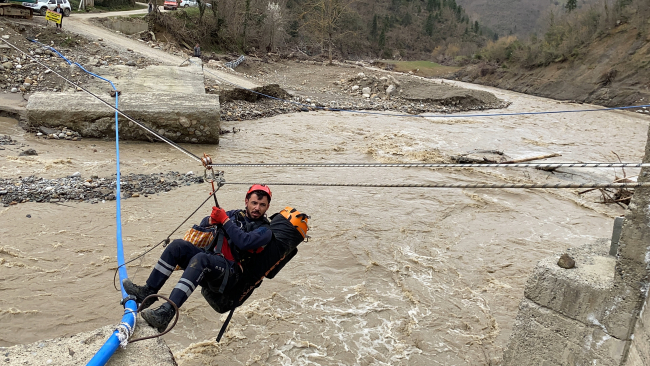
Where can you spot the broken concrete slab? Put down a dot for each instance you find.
(180, 118)
(153, 79)
(80, 348)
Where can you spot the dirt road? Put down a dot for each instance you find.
(83, 24)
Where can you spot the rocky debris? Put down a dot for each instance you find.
(370, 85)
(271, 90)
(19, 73)
(59, 133)
(7, 140)
(425, 95)
(28, 152)
(92, 190)
(240, 110)
(344, 87)
(566, 261)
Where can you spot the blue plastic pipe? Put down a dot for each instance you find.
(110, 346)
(130, 307)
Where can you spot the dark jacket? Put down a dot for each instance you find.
(244, 234)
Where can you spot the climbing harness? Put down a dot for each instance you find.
(167, 240)
(281, 249)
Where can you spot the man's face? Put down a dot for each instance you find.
(256, 206)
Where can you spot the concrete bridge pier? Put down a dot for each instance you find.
(592, 314)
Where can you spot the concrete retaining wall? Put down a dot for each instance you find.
(179, 117)
(639, 354)
(591, 314)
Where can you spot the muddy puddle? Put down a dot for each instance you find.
(389, 276)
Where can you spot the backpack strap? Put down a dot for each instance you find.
(224, 281)
(219, 241)
(225, 325)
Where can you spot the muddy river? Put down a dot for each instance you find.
(390, 276)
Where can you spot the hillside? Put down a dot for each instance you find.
(609, 68)
(402, 29)
(516, 17)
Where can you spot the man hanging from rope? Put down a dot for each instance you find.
(238, 234)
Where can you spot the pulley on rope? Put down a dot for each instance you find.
(212, 176)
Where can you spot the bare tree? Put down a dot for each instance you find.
(202, 6)
(324, 19)
(274, 23)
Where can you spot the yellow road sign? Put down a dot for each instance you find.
(53, 16)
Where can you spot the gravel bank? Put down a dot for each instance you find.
(91, 190)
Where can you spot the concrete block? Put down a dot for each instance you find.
(180, 118)
(543, 337)
(152, 79)
(80, 348)
(587, 293)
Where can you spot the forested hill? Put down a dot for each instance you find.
(518, 17)
(414, 29)
(599, 54)
(408, 29)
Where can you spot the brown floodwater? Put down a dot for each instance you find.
(390, 276)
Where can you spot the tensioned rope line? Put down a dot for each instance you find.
(457, 185)
(420, 115)
(435, 165)
(162, 138)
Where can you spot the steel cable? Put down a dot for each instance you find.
(456, 185)
(435, 165)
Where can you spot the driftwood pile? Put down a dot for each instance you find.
(620, 196)
(494, 157)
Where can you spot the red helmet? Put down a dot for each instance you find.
(260, 187)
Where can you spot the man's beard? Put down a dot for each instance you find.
(249, 213)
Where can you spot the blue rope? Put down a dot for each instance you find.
(110, 346)
(425, 115)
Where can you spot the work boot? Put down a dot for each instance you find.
(159, 318)
(140, 292)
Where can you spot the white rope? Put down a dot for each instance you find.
(124, 332)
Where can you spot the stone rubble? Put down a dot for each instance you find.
(90, 190)
(7, 140)
(21, 74)
(59, 133)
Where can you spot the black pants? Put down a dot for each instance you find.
(200, 268)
